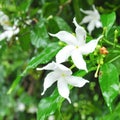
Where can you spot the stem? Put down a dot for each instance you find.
(96, 73)
(72, 66)
(110, 43)
(114, 58)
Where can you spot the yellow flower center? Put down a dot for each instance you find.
(63, 75)
(76, 47)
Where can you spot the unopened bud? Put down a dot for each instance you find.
(61, 43)
(116, 32)
(98, 47)
(103, 50)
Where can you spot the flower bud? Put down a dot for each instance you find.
(103, 51)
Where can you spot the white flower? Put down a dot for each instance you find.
(63, 76)
(9, 33)
(20, 107)
(4, 20)
(32, 109)
(93, 18)
(51, 117)
(76, 46)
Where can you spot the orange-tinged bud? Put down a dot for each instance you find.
(103, 50)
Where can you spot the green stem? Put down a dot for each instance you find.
(114, 58)
(110, 43)
(96, 73)
(72, 66)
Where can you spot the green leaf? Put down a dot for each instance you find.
(22, 5)
(109, 83)
(108, 20)
(44, 57)
(48, 106)
(24, 39)
(39, 35)
(50, 8)
(114, 58)
(62, 24)
(113, 115)
(3, 47)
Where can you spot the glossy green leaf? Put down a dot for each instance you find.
(62, 24)
(108, 20)
(114, 57)
(22, 5)
(52, 26)
(48, 106)
(50, 8)
(39, 36)
(44, 57)
(112, 115)
(109, 83)
(25, 39)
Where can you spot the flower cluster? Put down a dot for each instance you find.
(75, 48)
(9, 31)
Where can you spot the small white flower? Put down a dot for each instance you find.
(63, 76)
(51, 117)
(9, 33)
(93, 18)
(76, 46)
(20, 107)
(32, 109)
(4, 20)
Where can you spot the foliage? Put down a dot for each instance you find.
(21, 84)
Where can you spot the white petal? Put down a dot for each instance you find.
(3, 35)
(90, 46)
(49, 80)
(63, 69)
(65, 37)
(86, 19)
(91, 26)
(94, 9)
(88, 12)
(98, 24)
(63, 89)
(9, 35)
(78, 60)
(76, 81)
(50, 66)
(64, 53)
(80, 33)
(16, 31)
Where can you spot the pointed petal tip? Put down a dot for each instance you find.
(75, 22)
(84, 82)
(101, 36)
(51, 34)
(86, 70)
(69, 100)
(43, 93)
(81, 9)
(39, 68)
(87, 81)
